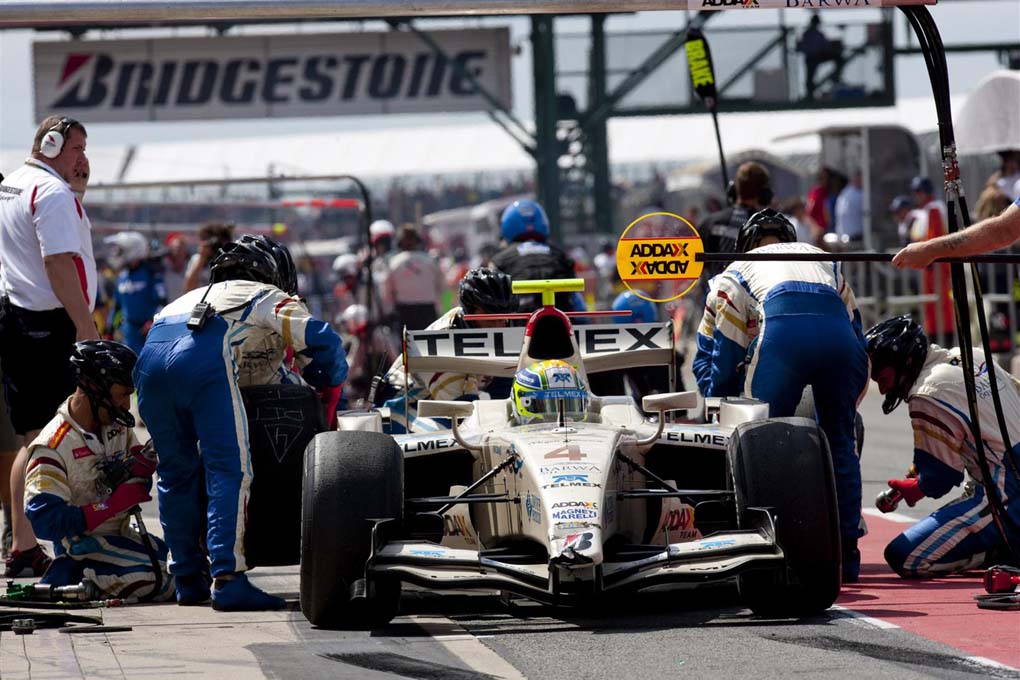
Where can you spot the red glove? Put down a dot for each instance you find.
(908, 488)
(124, 498)
(329, 398)
(144, 461)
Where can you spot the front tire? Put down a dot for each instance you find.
(350, 479)
(784, 464)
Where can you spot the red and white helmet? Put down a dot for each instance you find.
(381, 229)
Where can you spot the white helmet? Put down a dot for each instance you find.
(129, 246)
(354, 318)
(346, 265)
(381, 229)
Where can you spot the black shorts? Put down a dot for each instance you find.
(35, 351)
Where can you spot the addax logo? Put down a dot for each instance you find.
(656, 256)
(730, 3)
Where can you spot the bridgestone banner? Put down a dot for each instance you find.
(311, 74)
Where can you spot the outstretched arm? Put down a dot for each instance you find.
(985, 236)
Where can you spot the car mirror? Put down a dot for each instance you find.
(670, 401)
(433, 408)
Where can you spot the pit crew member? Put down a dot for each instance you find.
(139, 291)
(188, 378)
(961, 534)
(528, 254)
(770, 329)
(86, 472)
(482, 291)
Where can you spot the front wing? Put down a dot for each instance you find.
(717, 558)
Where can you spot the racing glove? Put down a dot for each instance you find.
(908, 488)
(143, 460)
(126, 496)
(329, 397)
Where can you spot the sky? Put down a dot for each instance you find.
(959, 21)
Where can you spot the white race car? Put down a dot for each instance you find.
(571, 509)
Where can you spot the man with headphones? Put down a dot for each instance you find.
(48, 288)
(749, 192)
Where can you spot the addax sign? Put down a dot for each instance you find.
(315, 74)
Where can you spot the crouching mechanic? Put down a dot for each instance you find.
(482, 291)
(188, 394)
(770, 329)
(86, 472)
(961, 534)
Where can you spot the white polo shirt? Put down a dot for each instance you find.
(40, 216)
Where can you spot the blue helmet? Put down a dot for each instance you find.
(642, 311)
(524, 218)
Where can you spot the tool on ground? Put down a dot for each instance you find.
(1002, 579)
(23, 626)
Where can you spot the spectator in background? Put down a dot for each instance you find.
(48, 282)
(991, 202)
(985, 236)
(175, 265)
(212, 236)
(817, 50)
(380, 237)
(923, 193)
(1007, 178)
(139, 293)
(808, 230)
(414, 284)
(817, 200)
(902, 210)
(850, 211)
(931, 222)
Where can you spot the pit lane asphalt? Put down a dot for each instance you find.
(698, 634)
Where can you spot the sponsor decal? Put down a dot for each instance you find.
(747, 4)
(657, 252)
(563, 479)
(82, 452)
(418, 552)
(568, 468)
(564, 485)
(709, 439)
(533, 505)
(574, 513)
(578, 541)
(576, 525)
(431, 444)
(718, 543)
(576, 504)
(829, 3)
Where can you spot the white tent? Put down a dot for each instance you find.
(989, 120)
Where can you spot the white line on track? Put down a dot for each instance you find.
(891, 516)
(466, 647)
(989, 663)
(870, 620)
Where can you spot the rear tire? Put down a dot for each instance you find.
(350, 478)
(784, 464)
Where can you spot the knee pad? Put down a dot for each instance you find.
(896, 554)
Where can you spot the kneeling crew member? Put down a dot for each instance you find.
(86, 472)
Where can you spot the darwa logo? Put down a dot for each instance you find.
(656, 257)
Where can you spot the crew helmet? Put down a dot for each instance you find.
(487, 291)
(247, 259)
(98, 365)
(346, 264)
(354, 319)
(900, 344)
(285, 267)
(642, 310)
(524, 219)
(766, 222)
(129, 246)
(540, 388)
(381, 229)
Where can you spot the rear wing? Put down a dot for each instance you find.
(496, 351)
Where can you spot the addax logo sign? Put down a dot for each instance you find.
(656, 256)
(269, 76)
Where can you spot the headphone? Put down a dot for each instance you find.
(53, 141)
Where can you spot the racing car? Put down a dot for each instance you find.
(572, 507)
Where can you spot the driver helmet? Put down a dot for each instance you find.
(900, 344)
(541, 387)
(98, 365)
(767, 222)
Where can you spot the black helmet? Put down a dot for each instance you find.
(487, 291)
(767, 222)
(285, 267)
(98, 365)
(247, 259)
(900, 344)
